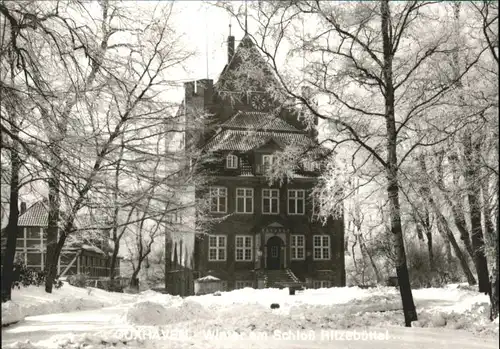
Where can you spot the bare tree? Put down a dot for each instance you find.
(380, 80)
(91, 79)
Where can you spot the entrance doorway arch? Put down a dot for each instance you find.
(274, 253)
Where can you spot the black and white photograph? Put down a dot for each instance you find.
(275, 174)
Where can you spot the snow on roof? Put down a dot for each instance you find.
(243, 140)
(92, 248)
(253, 120)
(208, 278)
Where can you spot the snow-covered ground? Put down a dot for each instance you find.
(327, 318)
(32, 300)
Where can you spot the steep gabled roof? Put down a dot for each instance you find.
(247, 53)
(37, 215)
(258, 121)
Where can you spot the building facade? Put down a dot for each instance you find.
(263, 231)
(31, 247)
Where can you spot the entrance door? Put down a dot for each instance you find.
(274, 252)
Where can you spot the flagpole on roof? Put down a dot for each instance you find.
(206, 38)
(246, 18)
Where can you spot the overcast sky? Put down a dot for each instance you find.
(206, 29)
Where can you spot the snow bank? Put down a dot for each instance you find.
(33, 300)
(151, 313)
(11, 313)
(248, 311)
(147, 313)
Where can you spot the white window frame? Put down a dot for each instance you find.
(217, 248)
(322, 247)
(295, 247)
(270, 162)
(218, 196)
(296, 198)
(271, 198)
(231, 161)
(243, 248)
(244, 197)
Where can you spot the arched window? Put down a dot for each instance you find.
(231, 161)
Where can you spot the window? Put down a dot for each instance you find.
(268, 160)
(32, 244)
(242, 284)
(321, 245)
(244, 200)
(244, 248)
(275, 251)
(231, 161)
(321, 284)
(296, 202)
(218, 199)
(34, 259)
(33, 233)
(297, 247)
(270, 201)
(217, 248)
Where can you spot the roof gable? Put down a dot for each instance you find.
(247, 59)
(36, 215)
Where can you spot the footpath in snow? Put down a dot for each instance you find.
(32, 301)
(454, 316)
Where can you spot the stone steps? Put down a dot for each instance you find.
(284, 276)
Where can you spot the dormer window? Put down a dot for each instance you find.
(309, 166)
(268, 160)
(231, 161)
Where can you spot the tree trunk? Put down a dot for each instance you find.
(372, 262)
(410, 313)
(441, 220)
(133, 280)
(168, 258)
(52, 229)
(430, 251)
(12, 228)
(458, 213)
(494, 301)
(114, 255)
(443, 226)
(473, 189)
(488, 223)
(428, 234)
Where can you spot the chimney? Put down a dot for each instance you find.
(230, 48)
(23, 207)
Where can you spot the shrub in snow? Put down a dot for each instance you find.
(78, 280)
(275, 306)
(23, 276)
